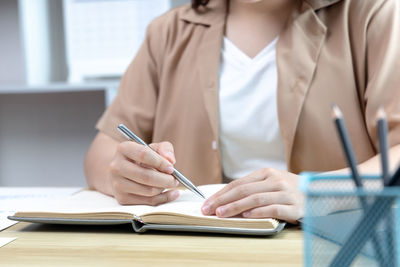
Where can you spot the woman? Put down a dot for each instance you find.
(241, 90)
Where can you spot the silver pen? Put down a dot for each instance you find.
(179, 176)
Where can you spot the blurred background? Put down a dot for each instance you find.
(60, 65)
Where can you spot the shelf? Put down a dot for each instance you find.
(59, 87)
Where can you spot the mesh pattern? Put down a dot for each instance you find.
(340, 218)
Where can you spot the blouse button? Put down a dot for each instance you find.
(214, 145)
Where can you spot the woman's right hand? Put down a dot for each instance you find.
(139, 175)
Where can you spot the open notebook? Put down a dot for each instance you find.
(183, 214)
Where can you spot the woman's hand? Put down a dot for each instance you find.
(139, 175)
(266, 193)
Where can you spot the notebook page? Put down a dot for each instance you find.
(82, 202)
(93, 202)
(16, 198)
(189, 203)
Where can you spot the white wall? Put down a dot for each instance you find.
(44, 137)
(11, 59)
(12, 65)
(179, 2)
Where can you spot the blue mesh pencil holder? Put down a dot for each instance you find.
(348, 226)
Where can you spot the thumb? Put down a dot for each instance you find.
(165, 149)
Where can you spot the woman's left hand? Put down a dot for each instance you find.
(266, 193)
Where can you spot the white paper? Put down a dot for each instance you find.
(189, 203)
(4, 222)
(13, 199)
(5, 240)
(24, 192)
(92, 201)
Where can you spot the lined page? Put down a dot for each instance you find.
(82, 202)
(94, 202)
(189, 203)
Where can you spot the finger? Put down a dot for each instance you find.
(256, 176)
(131, 199)
(165, 149)
(236, 193)
(144, 176)
(287, 213)
(145, 155)
(255, 201)
(122, 185)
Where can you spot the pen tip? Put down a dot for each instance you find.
(336, 113)
(200, 194)
(380, 114)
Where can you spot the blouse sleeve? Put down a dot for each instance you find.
(383, 69)
(136, 100)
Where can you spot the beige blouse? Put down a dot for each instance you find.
(332, 51)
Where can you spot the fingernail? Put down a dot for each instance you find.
(176, 182)
(220, 211)
(170, 156)
(246, 214)
(205, 209)
(175, 194)
(169, 169)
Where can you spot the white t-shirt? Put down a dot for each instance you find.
(250, 138)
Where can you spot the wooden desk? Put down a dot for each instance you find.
(60, 245)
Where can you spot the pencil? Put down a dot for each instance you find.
(383, 144)
(341, 258)
(395, 180)
(346, 144)
(384, 148)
